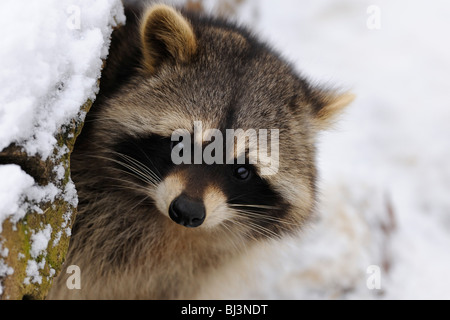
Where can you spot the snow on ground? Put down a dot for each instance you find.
(385, 168)
(50, 60)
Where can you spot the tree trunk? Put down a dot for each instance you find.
(59, 215)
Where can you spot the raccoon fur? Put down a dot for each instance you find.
(149, 229)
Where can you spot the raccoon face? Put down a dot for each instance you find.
(196, 70)
(201, 195)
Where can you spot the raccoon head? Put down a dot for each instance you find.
(192, 69)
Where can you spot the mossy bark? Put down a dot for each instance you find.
(60, 214)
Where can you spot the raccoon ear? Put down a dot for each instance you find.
(165, 33)
(329, 106)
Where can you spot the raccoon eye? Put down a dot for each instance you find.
(242, 173)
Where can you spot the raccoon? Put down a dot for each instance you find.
(149, 229)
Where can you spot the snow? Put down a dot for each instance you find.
(13, 185)
(39, 241)
(5, 270)
(70, 196)
(32, 271)
(39, 244)
(18, 192)
(51, 57)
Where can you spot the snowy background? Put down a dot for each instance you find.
(385, 168)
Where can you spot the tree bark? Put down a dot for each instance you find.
(16, 237)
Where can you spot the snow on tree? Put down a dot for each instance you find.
(51, 59)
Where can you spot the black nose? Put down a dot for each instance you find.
(187, 212)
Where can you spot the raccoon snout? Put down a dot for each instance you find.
(187, 212)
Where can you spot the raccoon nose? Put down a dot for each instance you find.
(187, 212)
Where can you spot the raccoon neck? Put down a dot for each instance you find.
(156, 260)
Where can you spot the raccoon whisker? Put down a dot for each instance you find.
(263, 231)
(146, 181)
(146, 156)
(131, 185)
(269, 233)
(283, 225)
(260, 216)
(143, 196)
(239, 231)
(137, 171)
(137, 174)
(255, 227)
(280, 224)
(142, 166)
(241, 196)
(134, 171)
(231, 231)
(150, 174)
(243, 228)
(252, 206)
(152, 184)
(121, 187)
